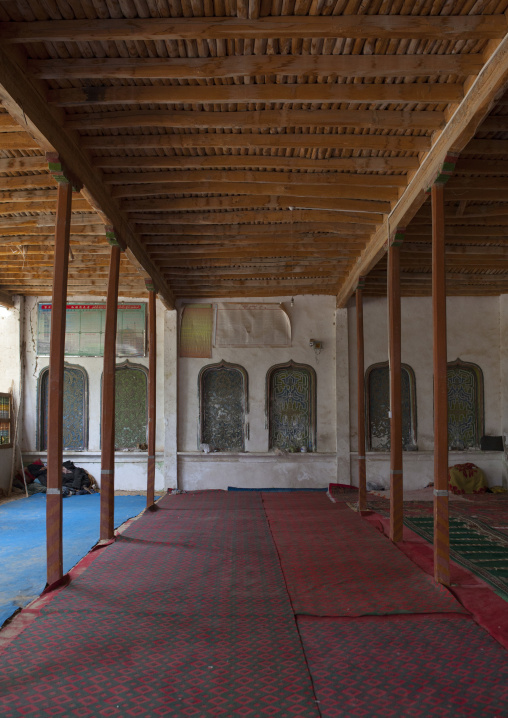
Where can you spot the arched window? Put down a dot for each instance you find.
(465, 405)
(223, 403)
(75, 409)
(377, 381)
(291, 406)
(131, 416)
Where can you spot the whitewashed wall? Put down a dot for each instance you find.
(311, 317)
(10, 367)
(474, 335)
(130, 466)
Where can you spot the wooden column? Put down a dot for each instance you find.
(54, 549)
(152, 366)
(362, 473)
(396, 475)
(441, 524)
(108, 398)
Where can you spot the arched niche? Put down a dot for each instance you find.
(75, 408)
(131, 405)
(377, 407)
(466, 417)
(291, 406)
(223, 404)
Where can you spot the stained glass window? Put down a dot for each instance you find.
(130, 407)
(75, 409)
(291, 398)
(465, 405)
(378, 407)
(5, 420)
(223, 404)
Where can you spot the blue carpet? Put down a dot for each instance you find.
(23, 541)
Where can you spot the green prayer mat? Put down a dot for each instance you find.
(474, 545)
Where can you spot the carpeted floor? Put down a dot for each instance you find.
(188, 614)
(398, 666)
(341, 566)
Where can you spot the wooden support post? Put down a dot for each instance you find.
(152, 366)
(396, 475)
(362, 473)
(56, 382)
(108, 397)
(54, 547)
(441, 524)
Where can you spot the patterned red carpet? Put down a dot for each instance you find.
(335, 564)
(398, 666)
(185, 615)
(188, 614)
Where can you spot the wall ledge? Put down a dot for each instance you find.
(121, 457)
(256, 456)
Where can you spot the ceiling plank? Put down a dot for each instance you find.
(372, 164)
(289, 189)
(22, 97)
(247, 201)
(23, 164)
(255, 119)
(343, 224)
(227, 28)
(315, 178)
(256, 65)
(17, 141)
(458, 132)
(240, 217)
(392, 143)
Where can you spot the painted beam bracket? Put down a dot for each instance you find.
(114, 240)
(150, 286)
(61, 172)
(361, 283)
(445, 171)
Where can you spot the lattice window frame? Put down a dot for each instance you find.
(412, 404)
(312, 427)
(218, 366)
(479, 427)
(122, 366)
(40, 407)
(8, 420)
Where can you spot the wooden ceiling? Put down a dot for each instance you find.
(254, 148)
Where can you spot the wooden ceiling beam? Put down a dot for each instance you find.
(332, 190)
(425, 230)
(17, 141)
(203, 253)
(487, 167)
(353, 238)
(371, 164)
(24, 98)
(249, 216)
(459, 130)
(315, 93)
(392, 143)
(28, 182)
(23, 164)
(177, 68)
(293, 178)
(249, 201)
(387, 27)
(486, 147)
(345, 224)
(40, 206)
(256, 119)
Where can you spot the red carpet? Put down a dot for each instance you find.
(186, 614)
(399, 666)
(336, 564)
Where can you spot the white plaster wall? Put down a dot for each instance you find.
(311, 317)
(10, 364)
(170, 399)
(130, 467)
(473, 336)
(342, 397)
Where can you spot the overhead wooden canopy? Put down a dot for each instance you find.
(254, 148)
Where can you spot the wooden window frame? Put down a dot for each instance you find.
(7, 395)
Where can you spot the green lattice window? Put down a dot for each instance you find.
(291, 407)
(130, 407)
(223, 397)
(465, 405)
(75, 409)
(377, 419)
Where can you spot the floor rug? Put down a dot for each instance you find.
(23, 545)
(186, 614)
(398, 666)
(336, 564)
(473, 544)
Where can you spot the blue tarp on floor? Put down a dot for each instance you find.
(23, 541)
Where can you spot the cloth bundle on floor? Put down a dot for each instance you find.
(466, 479)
